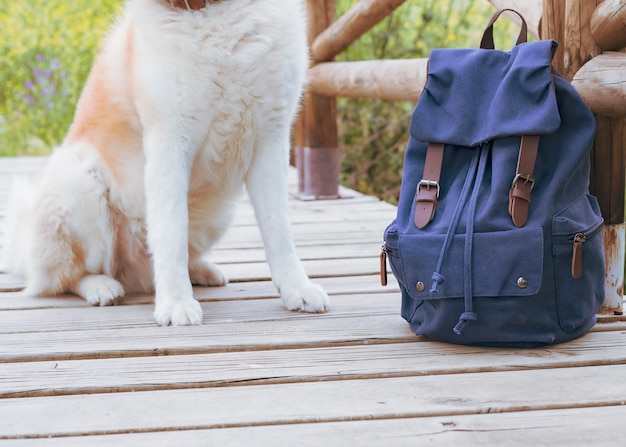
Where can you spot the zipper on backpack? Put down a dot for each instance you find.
(383, 264)
(577, 254)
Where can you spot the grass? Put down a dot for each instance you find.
(46, 51)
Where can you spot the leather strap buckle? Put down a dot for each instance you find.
(428, 184)
(527, 179)
(428, 189)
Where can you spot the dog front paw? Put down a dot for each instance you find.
(308, 298)
(99, 290)
(181, 312)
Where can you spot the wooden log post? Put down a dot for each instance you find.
(316, 139)
(552, 26)
(569, 22)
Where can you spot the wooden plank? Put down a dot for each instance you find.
(365, 249)
(11, 283)
(251, 239)
(115, 317)
(257, 271)
(297, 365)
(260, 271)
(318, 229)
(302, 209)
(238, 333)
(253, 290)
(424, 396)
(571, 427)
(10, 166)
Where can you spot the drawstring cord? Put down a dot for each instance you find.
(475, 175)
(468, 286)
(437, 277)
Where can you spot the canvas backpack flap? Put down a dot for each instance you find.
(479, 103)
(475, 95)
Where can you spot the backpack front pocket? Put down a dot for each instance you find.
(501, 265)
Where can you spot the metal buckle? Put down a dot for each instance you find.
(526, 178)
(428, 184)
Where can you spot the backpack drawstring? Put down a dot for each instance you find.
(468, 286)
(437, 277)
(473, 181)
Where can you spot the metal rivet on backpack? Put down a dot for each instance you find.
(420, 286)
(522, 282)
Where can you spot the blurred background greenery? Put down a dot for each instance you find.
(47, 48)
(46, 51)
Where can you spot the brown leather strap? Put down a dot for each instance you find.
(427, 192)
(577, 259)
(193, 5)
(487, 40)
(383, 267)
(524, 182)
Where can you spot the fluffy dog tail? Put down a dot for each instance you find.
(14, 236)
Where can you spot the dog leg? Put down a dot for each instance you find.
(99, 290)
(167, 173)
(267, 188)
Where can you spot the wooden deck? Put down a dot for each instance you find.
(255, 374)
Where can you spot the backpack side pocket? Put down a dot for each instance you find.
(578, 261)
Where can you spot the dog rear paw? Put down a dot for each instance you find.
(99, 290)
(203, 273)
(183, 312)
(308, 298)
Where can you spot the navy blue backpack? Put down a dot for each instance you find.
(497, 241)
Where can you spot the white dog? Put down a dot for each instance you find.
(187, 102)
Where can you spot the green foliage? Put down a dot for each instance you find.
(46, 51)
(374, 133)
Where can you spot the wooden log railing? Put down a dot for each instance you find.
(352, 25)
(589, 33)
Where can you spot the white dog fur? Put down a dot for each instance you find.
(181, 109)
